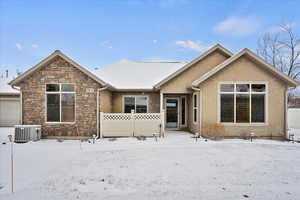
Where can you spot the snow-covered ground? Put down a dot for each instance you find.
(296, 133)
(175, 167)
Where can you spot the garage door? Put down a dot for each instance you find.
(9, 112)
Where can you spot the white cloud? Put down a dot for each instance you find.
(160, 3)
(107, 44)
(278, 29)
(168, 3)
(19, 46)
(158, 59)
(275, 29)
(35, 46)
(288, 25)
(193, 45)
(238, 26)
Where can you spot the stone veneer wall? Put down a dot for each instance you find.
(60, 71)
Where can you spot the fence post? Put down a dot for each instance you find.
(132, 121)
(101, 124)
(162, 117)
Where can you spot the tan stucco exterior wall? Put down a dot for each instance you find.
(153, 100)
(105, 101)
(246, 70)
(184, 80)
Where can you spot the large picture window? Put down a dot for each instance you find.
(242, 103)
(60, 103)
(137, 103)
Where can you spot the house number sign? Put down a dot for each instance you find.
(89, 90)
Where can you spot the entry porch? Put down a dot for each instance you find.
(181, 111)
(150, 114)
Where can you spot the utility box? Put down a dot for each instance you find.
(26, 133)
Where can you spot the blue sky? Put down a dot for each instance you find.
(96, 33)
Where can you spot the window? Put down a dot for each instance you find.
(129, 104)
(137, 103)
(227, 107)
(242, 103)
(183, 108)
(242, 108)
(258, 97)
(195, 107)
(60, 103)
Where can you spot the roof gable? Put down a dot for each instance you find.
(253, 56)
(50, 57)
(217, 47)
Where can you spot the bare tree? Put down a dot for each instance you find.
(282, 50)
(269, 48)
(291, 50)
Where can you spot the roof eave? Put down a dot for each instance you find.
(9, 93)
(134, 89)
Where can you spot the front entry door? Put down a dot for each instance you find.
(172, 113)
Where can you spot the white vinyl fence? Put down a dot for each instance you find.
(131, 124)
(294, 118)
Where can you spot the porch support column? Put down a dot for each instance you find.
(199, 118)
(161, 101)
(162, 113)
(98, 118)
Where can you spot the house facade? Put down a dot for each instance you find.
(240, 92)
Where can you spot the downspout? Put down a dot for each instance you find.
(286, 126)
(195, 88)
(98, 108)
(200, 108)
(21, 103)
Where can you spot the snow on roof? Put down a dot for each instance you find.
(5, 88)
(126, 74)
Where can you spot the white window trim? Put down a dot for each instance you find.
(195, 107)
(60, 93)
(134, 96)
(250, 92)
(185, 114)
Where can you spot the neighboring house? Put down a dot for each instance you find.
(240, 91)
(9, 104)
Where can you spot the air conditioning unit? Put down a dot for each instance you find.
(26, 133)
